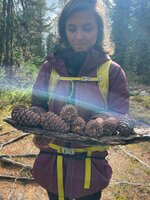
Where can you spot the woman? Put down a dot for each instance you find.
(83, 46)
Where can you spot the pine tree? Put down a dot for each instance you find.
(120, 29)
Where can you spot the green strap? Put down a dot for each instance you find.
(102, 79)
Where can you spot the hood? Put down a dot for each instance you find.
(92, 61)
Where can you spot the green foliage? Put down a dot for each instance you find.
(18, 88)
(50, 43)
(120, 29)
(121, 198)
(140, 108)
(144, 79)
(22, 76)
(144, 100)
(25, 24)
(131, 76)
(13, 97)
(130, 31)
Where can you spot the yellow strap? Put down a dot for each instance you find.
(79, 150)
(96, 148)
(60, 177)
(53, 81)
(87, 179)
(59, 171)
(103, 75)
(83, 78)
(55, 147)
(102, 79)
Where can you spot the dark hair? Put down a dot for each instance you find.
(103, 40)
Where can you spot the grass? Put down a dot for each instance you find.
(140, 108)
(10, 98)
(143, 100)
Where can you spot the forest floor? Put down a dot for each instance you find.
(130, 164)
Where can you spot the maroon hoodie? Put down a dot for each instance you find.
(87, 98)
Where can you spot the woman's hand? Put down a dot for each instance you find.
(40, 143)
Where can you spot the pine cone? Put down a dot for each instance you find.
(94, 129)
(110, 126)
(126, 125)
(68, 113)
(36, 110)
(15, 110)
(52, 122)
(78, 126)
(26, 117)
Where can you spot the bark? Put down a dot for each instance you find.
(31, 155)
(12, 178)
(141, 135)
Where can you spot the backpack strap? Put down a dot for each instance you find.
(102, 79)
(54, 78)
(103, 76)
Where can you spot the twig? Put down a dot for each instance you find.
(13, 140)
(130, 183)
(12, 189)
(17, 164)
(31, 155)
(134, 157)
(4, 177)
(2, 134)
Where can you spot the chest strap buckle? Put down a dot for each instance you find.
(68, 151)
(85, 78)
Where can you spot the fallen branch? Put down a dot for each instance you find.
(17, 164)
(12, 178)
(130, 183)
(13, 140)
(31, 155)
(134, 157)
(2, 134)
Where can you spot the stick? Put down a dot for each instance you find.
(134, 157)
(17, 164)
(14, 140)
(130, 183)
(4, 177)
(31, 155)
(2, 134)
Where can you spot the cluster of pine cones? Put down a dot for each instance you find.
(70, 121)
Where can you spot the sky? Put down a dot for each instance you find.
(50, 1)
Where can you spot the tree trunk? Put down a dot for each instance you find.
(9, 38)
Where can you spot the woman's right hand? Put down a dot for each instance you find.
(40, 142)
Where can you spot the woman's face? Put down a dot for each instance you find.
(82, 30)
